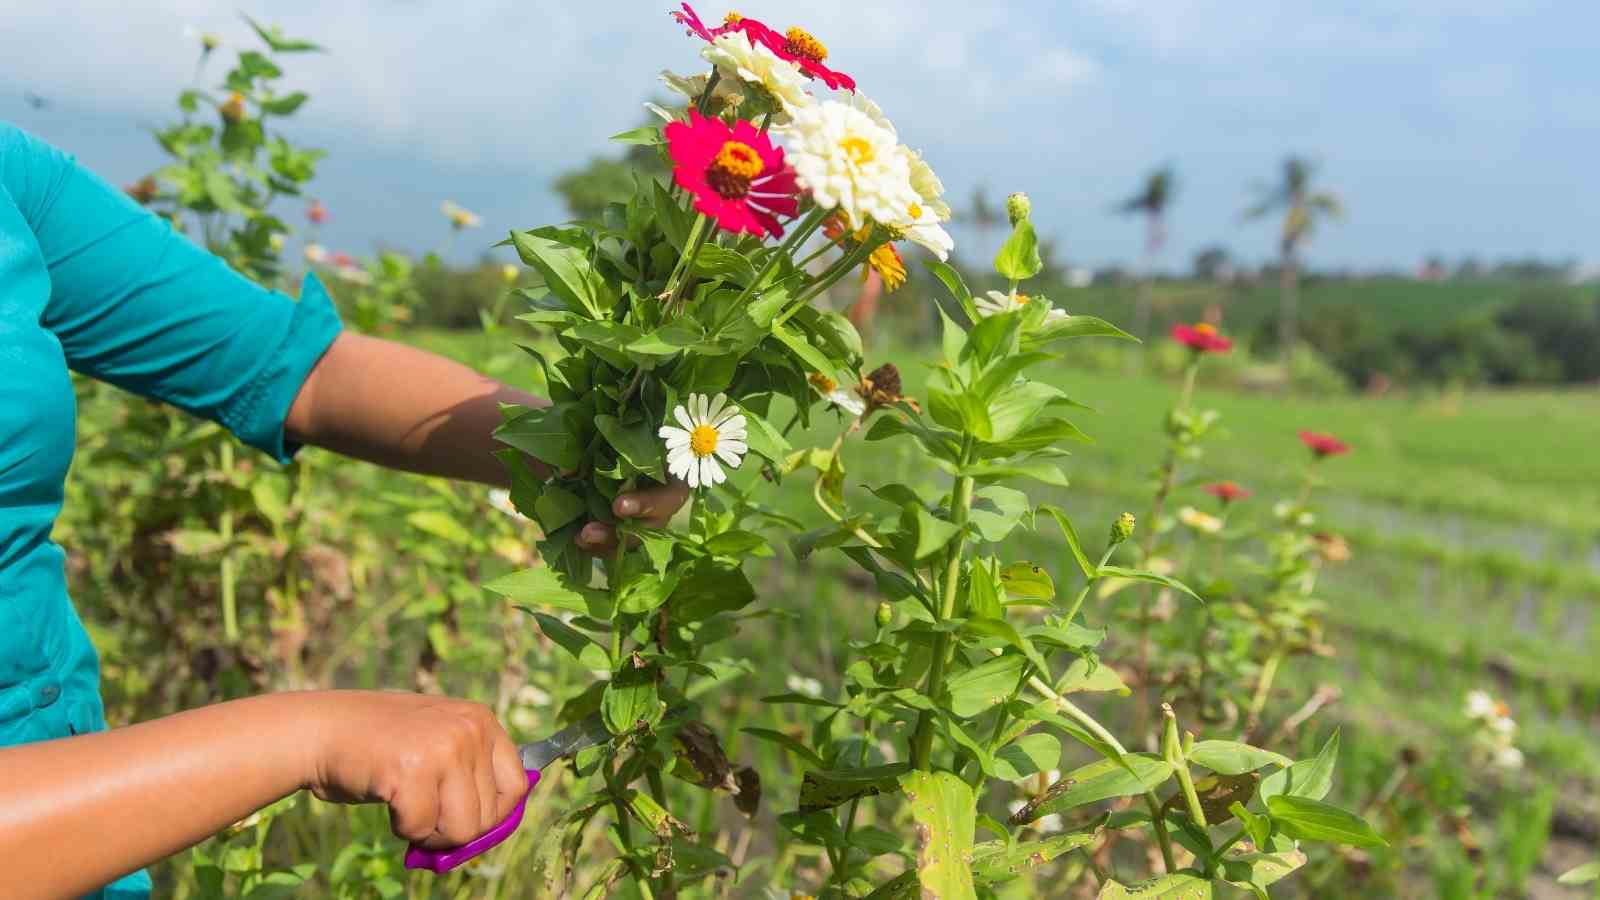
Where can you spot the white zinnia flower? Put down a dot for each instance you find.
(737, 57)
(1480, 705)
(316, 254)
(712, 430)
(927, 185)
(1202, 522)
(460, 217)
(997, 302)
(851, 163)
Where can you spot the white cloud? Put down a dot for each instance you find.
(1064, 67)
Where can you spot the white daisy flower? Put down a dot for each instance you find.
(1508, 757)
(739, 58)
(1205, 523)
(846, 401)
(800, 684)
(997, 302)
(316, 254)
(712, 430)
(1480, 705)
(460, 217)
(851, 163)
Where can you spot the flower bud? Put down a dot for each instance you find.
(1018, 206)
(1122, 528)
(210, 42)
(885, 614)
(1171, 744)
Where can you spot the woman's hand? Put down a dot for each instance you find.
(446, 768)
(652, 506)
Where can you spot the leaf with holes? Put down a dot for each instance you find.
(942, 807)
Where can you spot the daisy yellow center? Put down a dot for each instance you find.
(734, 167)
(915, 211)
(858, 149)
(799, 42)
(822, 382)
(703, 440)
(1020, 299)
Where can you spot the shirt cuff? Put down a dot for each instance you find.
(312, 327)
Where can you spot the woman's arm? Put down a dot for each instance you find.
(409, 409)
(78, 812)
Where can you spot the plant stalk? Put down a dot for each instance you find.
(960, 506)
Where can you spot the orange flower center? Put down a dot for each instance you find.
(858, 149)
(799, 42)
(822, 382)
(703, 440)
(732, 18)
(734, 167)
(1205, 328)
(1020, 299)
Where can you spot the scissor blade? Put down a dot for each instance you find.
(567, 741)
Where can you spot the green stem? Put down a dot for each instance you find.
(1269, 672)
(711, 85)
(960, 506)
(691, 249)
(659, 792)
(1077, 603)
(800, 233)
(830, 277)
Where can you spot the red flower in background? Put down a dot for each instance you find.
(342, 260)
(1202, 338)
(316, 213)
(736, 175)
(1226, 491)
(1323, 444)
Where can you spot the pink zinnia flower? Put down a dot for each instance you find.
(317, 213)
(342, 260)
(1201, 338)
(736, 175)
(1226, 491)
(1323, 444)
(795, 45)
(691, 20)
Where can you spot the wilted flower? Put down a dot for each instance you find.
(315, 254)
(1203, 522)
(316, 213)
(997, 302)
(712, 430)
(779, 81)
(736, 175)
(851, 163)
(691, 20)
(1226, 491)
(144, 190)
(1323, 445)
(1331, 547)
(831, 392)
(881, 388)
(725, 95)
(459, 217)
(1201, 338)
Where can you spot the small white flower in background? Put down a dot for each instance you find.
(838, 396)
(997, 302)
(1495, 739)
(712, 430)
(500, 499)
(530, 708)
(1503, 725)
(800, 684)
(1285, 511)
(354, 274)
(459, 217)
(316, 254)
(1203, 522)
(740, 59)
(1508, 757)
(1034, 787)
(1480, 705)
(850, 162)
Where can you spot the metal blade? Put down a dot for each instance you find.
(567, 741)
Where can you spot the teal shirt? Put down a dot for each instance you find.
(93, 283)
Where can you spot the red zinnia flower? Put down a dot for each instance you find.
(1202, 338)
(1226, 491)
(317, 213)
(691, 20)
(795, 45)
(736, 175)
(1323, 444)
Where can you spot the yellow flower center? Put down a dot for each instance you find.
(732, 18)
(858, 149)
(703, 440)
(799, 42)
(1205, 328)
(1020, 299)
(915, 211)
(822, 382)
(734, 167)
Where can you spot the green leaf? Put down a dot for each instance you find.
(1258, 827)
(1138, 575)
(567, 273)
(1016, 407)
(541, 586)
(719, 262)
(1065, 524)
(439, 524)
(1046, 473)
(1076, 327)
(1026, 581)
(1311, 778)
(1305, 819)
(985, 685)
(1234, 758)
(1581, 875)
(996, 511)
(648, 136)
(997, 861)
(1028, 755)
(811, 358)
(543, 435)
(901, 887)
(1083, 676)
(764, 439)
(827, 788)
(637, 444)
(1018, 258)
(1177, 886)
(710, 586)
(929, 535)
(793, 745)
(951, 279)
(273, 37)
(1257, 871)
(631, 698)
(943, 808)
(670, 339)
(1101, 780)
(556, 507)
(570, 639)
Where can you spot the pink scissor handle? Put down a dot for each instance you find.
(441, 861)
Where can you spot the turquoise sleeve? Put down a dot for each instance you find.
(137, 304)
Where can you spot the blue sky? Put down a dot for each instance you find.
(1449, 126)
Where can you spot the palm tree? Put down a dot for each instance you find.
(1151, 202)
(1302, 208)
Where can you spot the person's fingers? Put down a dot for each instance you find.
(414, 807)
(510, 779)
(458, 810)
(654, 506)
(597, 538)
(488, 791)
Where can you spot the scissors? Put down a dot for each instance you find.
(536, 757)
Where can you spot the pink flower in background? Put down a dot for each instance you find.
(736, 175)
(316, 213)
(1201, 338)
(1323, 444)
(1226, 491)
